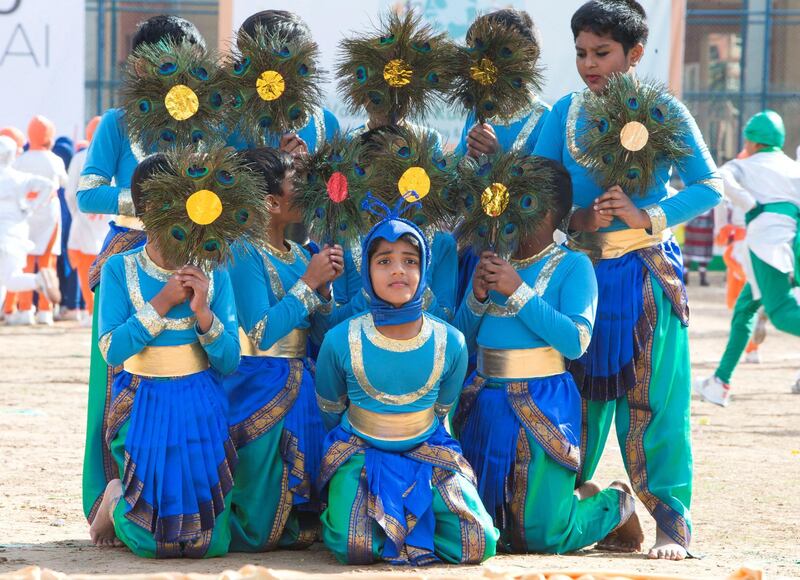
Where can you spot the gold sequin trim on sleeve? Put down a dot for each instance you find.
(104, 344)
(357, 359)
(658, 219)
(153, 322)
(519, 298)
(328, 406)
(92, 181)
(213, 333)
(442, 410)
(306, 295)
(475, 307)
(714, 183)
(125, 203)
(584, 336)
(325, 307)
(256, 334)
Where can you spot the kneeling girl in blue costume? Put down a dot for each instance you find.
(282, 295)
(173, 330)
(519, 417)
(398, 487)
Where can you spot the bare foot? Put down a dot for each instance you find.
(665, 548)
(588, 489)
(628, 537)
(102, 528)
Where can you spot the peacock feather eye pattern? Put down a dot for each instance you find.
(490, 79)
(504, 201)
(409, 164)
(274, 81)
(400, 70)
(172, 96)
(330, 186)
(195, 213)
(631, 129)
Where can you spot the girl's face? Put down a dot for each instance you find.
(394, 270)
(282, 205)
(598, 57)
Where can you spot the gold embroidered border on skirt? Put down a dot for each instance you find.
(540, 427)
(640, 414)
(141, 512)
(519, 492)
(282, 512)
(584, 438)
(273, 411)
(359, 533)
(473, 540)
(669, 280)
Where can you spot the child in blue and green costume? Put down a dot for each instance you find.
(323, 124)
(282, 295)
(104, 188)
(482, 140)
(519, 417)
(174, 333)
(398, 487)
(637, 364)
(439, 298)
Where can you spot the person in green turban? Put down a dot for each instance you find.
(766, 185)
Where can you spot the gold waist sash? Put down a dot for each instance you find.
(132, 223)
(608, 245)
(390, 426)
(293, 345)
(520, 363)
(168, 361)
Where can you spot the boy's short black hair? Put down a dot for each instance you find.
(166, 26)
(149, 166)
(273, 166)
(408, 238)
(287, 22)
(563, 187)
(624, 20)
(518, 20)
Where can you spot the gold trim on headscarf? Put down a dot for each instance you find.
(519, 363)
(168, 361)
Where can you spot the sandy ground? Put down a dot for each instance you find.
(747, 467)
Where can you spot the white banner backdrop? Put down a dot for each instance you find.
(42, 48)
(330, 21)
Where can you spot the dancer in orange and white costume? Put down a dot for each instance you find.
(45, 221)
(15, 206)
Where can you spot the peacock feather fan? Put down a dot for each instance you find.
(633, 127)
(274, 83)
(398, 71)
(411, 165)
(504, 202)
(203, 203)
(330, 190)
(496, 72)
(172, 95)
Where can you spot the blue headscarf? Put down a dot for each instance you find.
(391, 228)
